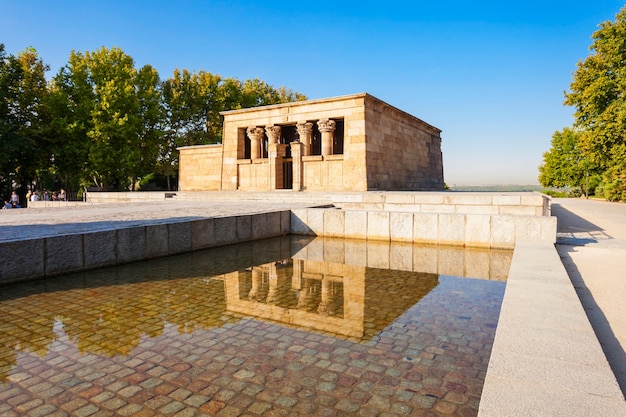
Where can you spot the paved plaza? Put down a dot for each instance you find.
(591, 241)
(43, 222)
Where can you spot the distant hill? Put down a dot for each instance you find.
(497, 188)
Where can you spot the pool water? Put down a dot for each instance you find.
(286, 326)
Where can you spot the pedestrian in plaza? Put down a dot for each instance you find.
(62, 196)
(15, 199)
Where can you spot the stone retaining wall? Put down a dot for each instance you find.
(474, 230)
(48, 256)
(522, 203)
(381, 221)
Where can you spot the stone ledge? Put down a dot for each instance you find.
(74, 252)
(546, 359)
(472, 230)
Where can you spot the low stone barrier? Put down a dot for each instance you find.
(383, 216)
(48, 204)
(54, 255)
(475, 230)
(514, 203)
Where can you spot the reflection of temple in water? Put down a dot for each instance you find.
(349, 288)
(348, 300)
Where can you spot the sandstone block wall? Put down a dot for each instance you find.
(471, 230)
(200, 168)
(403, 152)
(253, 175)
(383, 149)
(54, 255)
(523, 203)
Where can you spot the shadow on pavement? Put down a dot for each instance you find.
(574, 230)
(610, 345)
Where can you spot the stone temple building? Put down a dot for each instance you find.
(347, 143)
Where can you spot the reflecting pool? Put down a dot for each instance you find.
(286, 326)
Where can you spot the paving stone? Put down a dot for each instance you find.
(23, 407)
(129, 391)
(172, 407)
(86, 411)
(129, 409)
(187, 412)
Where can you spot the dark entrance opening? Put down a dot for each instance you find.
(287, 174)
(338, 137)
(288, 134)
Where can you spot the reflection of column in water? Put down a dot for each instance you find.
(296, 278)
(272, 295)
(326, 297)
(310, 294)
(332, 297)
(257, 284)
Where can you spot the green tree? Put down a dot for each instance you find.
(114, 151)
(151, 114)
(71, 102)
(613, 186)
(565, 165)
(108, 119)
(598, 94)
(23, 145)
(9, 140)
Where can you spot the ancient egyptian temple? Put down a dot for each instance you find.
(347, 143)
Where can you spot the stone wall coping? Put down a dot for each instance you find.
(470, 230)
(546, 359)
(210, 145)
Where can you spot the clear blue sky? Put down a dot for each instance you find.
(490, 74)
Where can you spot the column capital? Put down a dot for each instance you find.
(326, 125)
(304, 128)
(273, 133)
(255, 133)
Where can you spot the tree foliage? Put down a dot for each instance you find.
(23, 93)
(102, 121)
(598, 94)
(565, 165)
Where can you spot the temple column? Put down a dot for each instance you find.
(255, 134)
(297, 166)
(305, 130)
(326, 127)
(275, 154)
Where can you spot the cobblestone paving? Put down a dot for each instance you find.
(157, 339)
